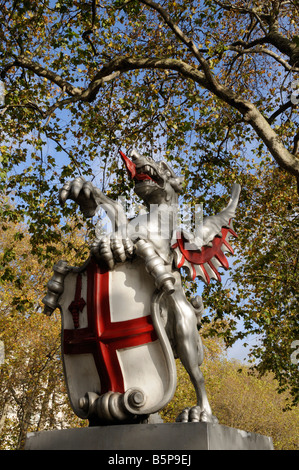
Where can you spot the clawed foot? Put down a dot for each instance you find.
(112, 249)
(195, 415)
(82, 192)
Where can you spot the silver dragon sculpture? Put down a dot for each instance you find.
(201, 256)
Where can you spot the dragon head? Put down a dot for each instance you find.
(155, 182)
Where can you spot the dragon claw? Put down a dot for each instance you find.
(195, 415)
(80, 191)
(112, 249)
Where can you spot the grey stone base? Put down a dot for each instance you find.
(166, 436)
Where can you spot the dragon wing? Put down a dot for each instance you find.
(202, 257)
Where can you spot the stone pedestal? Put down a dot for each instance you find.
(165, 436)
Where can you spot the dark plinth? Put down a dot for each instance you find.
(166, 436)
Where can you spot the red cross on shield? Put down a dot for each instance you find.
(114, 345)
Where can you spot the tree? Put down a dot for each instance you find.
(209, 85)
(222, 66)
(32, 390)
(262, 290)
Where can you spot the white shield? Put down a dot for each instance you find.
(114, 343)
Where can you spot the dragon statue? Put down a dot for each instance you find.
(158, 257)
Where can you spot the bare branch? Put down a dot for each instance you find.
(254, 13)
(279, 59)
(248, 45)
(229, 127)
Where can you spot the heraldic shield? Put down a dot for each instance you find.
(117, 359)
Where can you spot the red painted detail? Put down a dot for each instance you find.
(131, 167)
(215, 270)
(181, 262)
(228, 246)
(206, 253)
(205, 273)
(102, 337)
(78, 303)
(193, 272)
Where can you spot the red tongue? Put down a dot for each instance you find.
(131, 167)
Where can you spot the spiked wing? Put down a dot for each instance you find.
(203, 257)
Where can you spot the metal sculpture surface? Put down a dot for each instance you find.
(125, 316)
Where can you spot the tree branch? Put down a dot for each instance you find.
(183, 38)
(249, 112)
(6, 68)
(120, 65)
(271, 36)
(230, 7)
(46, 73)
(263, 50)
(280, 110)
(85, 35)
(296, 144)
